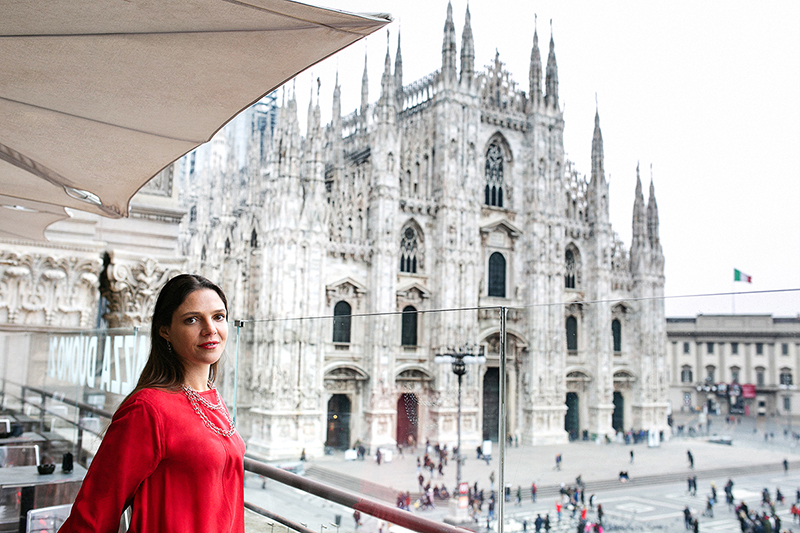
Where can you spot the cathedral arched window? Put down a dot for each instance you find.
(193, 214)
(569, 269)
(409, 250)
(494, 176)
(341, 322)
(254, 238)
(408, 335)
(497, 275)
(572, 334)
(616, 332)
(227, 246)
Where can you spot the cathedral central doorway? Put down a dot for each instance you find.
(338, 435)
(571, 420)
(618, 418)
(491, 404)
(407, 419)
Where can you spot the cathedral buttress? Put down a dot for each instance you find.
(383, 331)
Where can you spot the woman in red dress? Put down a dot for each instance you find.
(171, 453)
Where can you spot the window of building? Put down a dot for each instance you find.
(254, 238)
(408, 251)
(494, 176)
(686, 374)
(497, 275)
(193, 214)
(734, 348)
(710, 348)
(616, 332)
(710, 371)
(785, 348)
(787, 403)
(735, 373)
(685, 347)
(760, 376)
(569, 269)
(786, 376)
(572, 334)
(408, 336)
(759, 348)
(341, 322)
(227, 246)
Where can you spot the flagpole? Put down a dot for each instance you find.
(733, 298)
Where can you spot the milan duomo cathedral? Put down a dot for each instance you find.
(451, 192)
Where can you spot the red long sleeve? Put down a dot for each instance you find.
(176, 473)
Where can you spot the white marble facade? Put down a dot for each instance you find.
(411, 201)
(451, 192)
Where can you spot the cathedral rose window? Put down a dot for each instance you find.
(409, 247)
(494, 176)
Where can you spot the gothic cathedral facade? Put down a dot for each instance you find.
(452, 192)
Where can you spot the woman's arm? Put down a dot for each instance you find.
(129, 453)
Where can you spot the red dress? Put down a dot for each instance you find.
(160, 458)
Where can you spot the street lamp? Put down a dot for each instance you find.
(459, 357)
(787, 387)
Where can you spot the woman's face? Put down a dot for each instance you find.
(199, 329)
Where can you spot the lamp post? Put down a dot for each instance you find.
(787, 389)
(459, 358)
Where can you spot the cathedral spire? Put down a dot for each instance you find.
(387, 81)
(336, 115)
(598, 173)
(639, 237)
(467, 51)
(652, 216)
(449, 47)
(535, 75)
(551, 80)
(398, 74)
(364, 91)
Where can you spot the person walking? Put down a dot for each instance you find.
(357, 518)
(519, 495)
(785, 466)
(537, 524)
(533, 492)
(631, 456)
(690, 457)
(600, 513)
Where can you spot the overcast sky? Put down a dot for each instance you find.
(706, 92)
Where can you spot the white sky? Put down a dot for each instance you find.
(706, 92)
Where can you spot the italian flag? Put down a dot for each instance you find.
(738, 275)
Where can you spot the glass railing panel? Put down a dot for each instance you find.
(606, 397)
(368, 396)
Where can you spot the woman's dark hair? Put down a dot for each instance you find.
(164, 369)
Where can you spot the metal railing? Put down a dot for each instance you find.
(327, 492)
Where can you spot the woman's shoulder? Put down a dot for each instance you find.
(151, 396)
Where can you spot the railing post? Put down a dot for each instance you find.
(502, 437)
(79, 445)
(42, 410)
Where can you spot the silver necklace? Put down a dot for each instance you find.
(196, 399)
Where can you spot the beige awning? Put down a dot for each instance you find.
(98, 96)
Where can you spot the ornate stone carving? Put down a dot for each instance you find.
(132, 289)
(47, 289)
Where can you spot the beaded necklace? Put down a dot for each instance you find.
(195, 399)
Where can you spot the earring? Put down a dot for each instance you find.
(169, 347)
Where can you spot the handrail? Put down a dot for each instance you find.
(63, 399)
(379, 510)
(278, 518)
